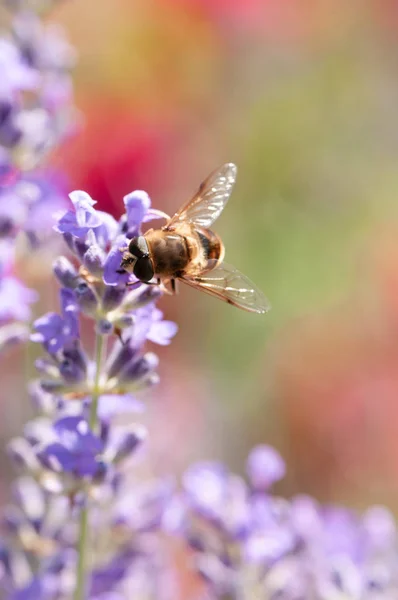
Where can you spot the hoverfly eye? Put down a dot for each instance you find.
(134, 249)
(143, 269)
(138, 247)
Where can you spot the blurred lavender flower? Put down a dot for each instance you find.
(251, 544)
(36, 114)
(15, 297)
(35, 58)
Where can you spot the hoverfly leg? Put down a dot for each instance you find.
(118, 333)
(157, 282)
(174, 287)
(168, 286)
(159, 214)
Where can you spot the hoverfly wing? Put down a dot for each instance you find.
(210, 199)
(228, 284)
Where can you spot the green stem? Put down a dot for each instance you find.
(81, 561)
(80, 591)
(99, 351)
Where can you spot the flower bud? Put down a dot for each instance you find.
(141, 296)
(139, 368)
(128, 442)
(22, 455)
(123, 355)
(65, 272)
(86, 298)
(112, 298)
(104, 327)
(71, 372)
(94, 259)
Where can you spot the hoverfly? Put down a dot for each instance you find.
(185, 249)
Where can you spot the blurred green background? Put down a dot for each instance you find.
(303, 97)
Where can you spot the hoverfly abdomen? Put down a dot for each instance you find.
(211, 246)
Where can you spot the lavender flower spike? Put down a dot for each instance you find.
(36, 115)
(74, 449)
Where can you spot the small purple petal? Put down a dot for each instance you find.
(264, 467)
(380, 526)
(149, 325)
(108, 230)
(84, 218)
(15, 299)
(69, 304)
(32, 591)
(75, 434)
(49, 331)
(110, 405)
(81, 199)
(162, 332)
(75, 451)
(56, 458)
(54, 331)
(113, 261)
(306, 518)
(206, 486)
(137, 204)
(269, 545)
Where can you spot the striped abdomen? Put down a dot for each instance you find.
(212, 248)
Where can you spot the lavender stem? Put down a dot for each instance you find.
(80, 591)
(99, 353)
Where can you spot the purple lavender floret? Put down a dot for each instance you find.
(15, 300)
(82, 219)
(75, 450)
(137, 205)
(55, 331)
